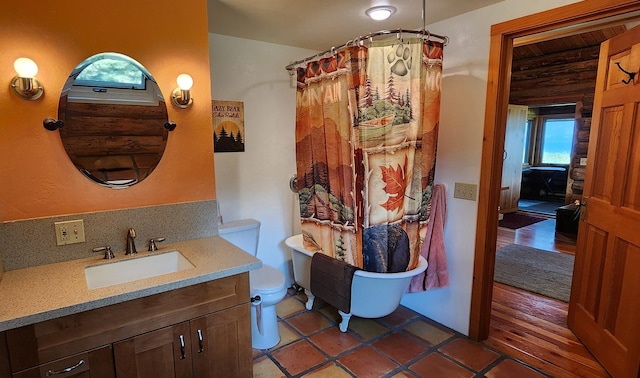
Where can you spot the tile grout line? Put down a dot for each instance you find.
(391, 328)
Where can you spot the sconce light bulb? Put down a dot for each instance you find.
(185, 82)
(25, 68)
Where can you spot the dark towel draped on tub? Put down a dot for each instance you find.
(331, 281)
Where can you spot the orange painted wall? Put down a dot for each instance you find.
(168, 37)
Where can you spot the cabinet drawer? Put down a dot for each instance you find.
(51, 340)
(97, 363)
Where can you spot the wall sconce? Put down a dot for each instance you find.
(381, 12)
(181, 96)
(25, 83)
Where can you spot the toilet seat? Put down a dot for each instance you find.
(266, 280)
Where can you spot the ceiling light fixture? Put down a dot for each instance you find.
(381, 12)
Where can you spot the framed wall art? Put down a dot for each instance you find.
(228, 126)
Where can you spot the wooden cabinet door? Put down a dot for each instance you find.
(97, 363)
(512, 158)
(221, 343)
(158, 354)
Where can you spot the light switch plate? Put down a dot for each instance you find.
(465, 191)
(69, 232)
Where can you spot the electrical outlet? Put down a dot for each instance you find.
(583, 161)
(465, 191)
(69, 232)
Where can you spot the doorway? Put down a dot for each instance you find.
(551, 96)
(568, 18)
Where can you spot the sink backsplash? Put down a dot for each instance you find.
(32, 242)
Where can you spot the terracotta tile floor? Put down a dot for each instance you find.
(402, 344)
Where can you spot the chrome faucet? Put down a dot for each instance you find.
(152, 243)
(108, 253)
(131, 245)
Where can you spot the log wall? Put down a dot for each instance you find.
(561, 77)
(114, 142)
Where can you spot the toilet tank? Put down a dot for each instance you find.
(243, 234)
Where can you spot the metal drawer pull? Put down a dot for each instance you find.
(200, 341)
(50, 373)
(183, 356)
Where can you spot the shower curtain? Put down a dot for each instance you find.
(366, 131)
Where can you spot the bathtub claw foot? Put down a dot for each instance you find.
(344, 324)
(310, 298)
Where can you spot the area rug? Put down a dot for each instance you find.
(542, 272)
(518, 220)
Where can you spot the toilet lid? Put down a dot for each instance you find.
(266, 279)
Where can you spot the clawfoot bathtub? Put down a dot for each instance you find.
(373, 295)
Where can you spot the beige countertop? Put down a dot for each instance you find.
(50, 291)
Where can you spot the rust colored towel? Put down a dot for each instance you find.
(331, 281)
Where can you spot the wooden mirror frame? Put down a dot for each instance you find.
(498, 82)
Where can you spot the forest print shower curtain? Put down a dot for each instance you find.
(366, 132)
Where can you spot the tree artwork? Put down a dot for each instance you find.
(228, 126)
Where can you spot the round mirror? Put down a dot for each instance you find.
(115, 120)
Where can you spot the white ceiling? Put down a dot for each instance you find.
(322, 24)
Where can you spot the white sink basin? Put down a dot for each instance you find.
(137, 268)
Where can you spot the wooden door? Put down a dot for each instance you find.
(605, 301)
(221, 343)
(512, 159)
(158, 354)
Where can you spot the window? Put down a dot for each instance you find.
(556, 141)
(526, 155)
(111, 78)
(548, 136)
(110, 71)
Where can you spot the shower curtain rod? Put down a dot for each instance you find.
(424, 33)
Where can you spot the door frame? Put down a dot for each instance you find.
(497, 101)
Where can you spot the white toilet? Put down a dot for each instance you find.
(266, 282)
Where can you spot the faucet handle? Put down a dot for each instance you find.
(108, 254)
(152, 243)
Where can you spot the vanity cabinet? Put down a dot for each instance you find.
(144, 337)
(209, 346)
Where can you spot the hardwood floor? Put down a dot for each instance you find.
(541, 235)
(533, 328)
